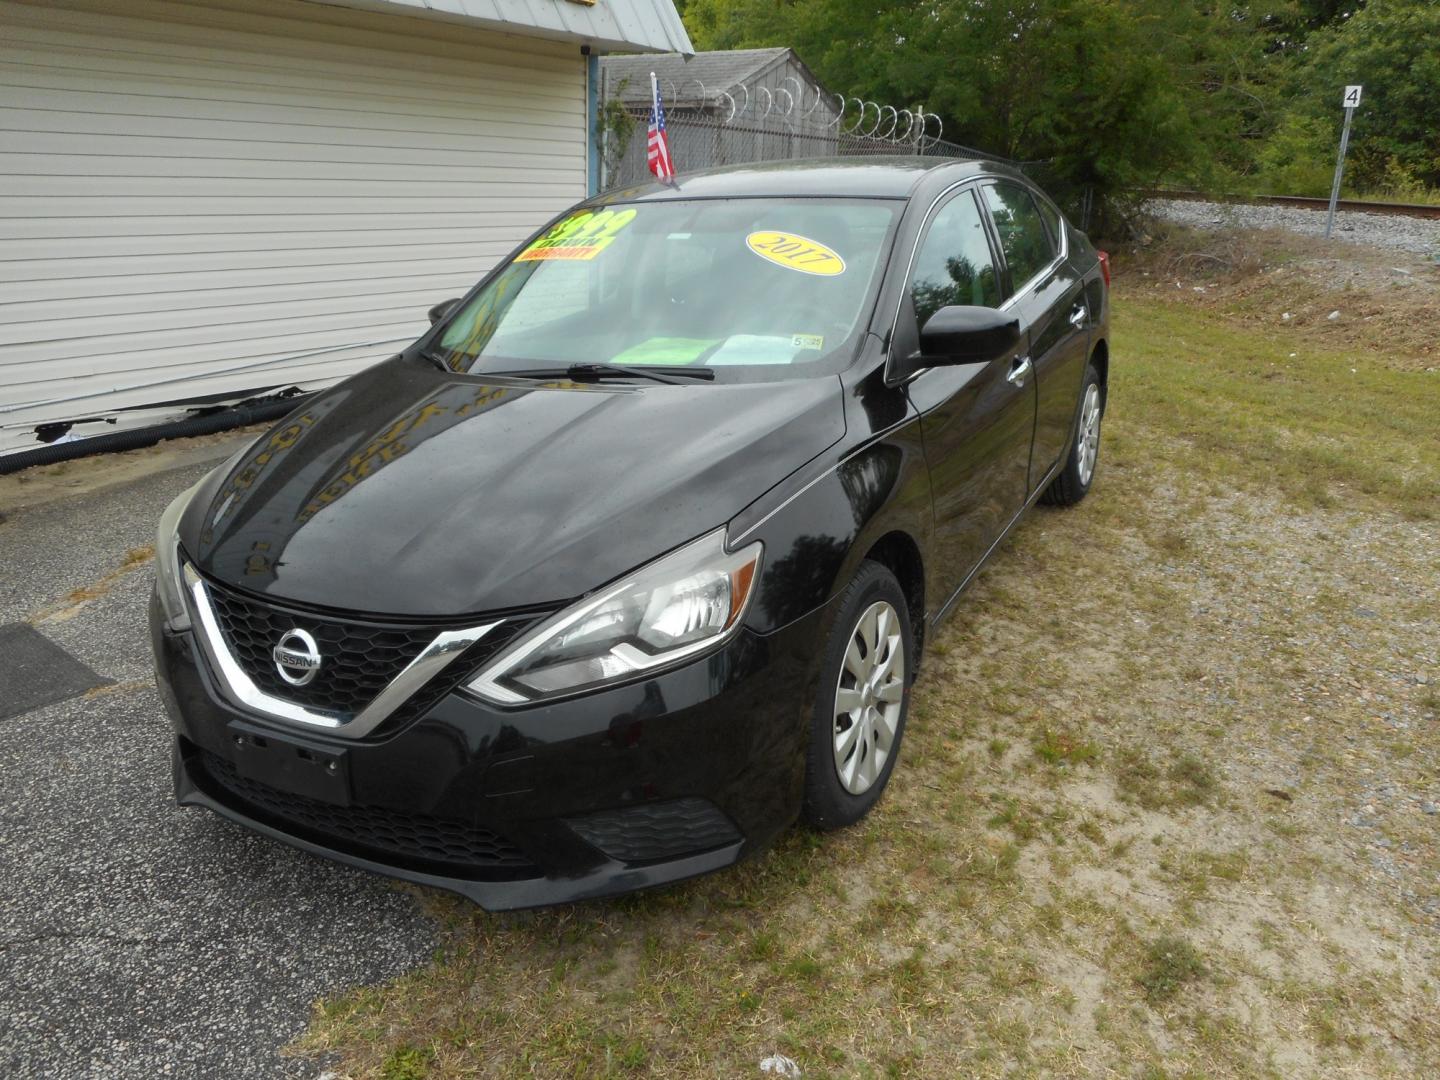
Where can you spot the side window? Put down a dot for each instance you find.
(954, 264)
(1023, 238)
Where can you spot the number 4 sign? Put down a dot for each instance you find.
(1350, 100)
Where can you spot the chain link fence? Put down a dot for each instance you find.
(741, 126)
(750, 124)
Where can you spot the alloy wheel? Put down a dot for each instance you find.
(1087, 445)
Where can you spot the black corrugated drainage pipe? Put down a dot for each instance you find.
(258, 412)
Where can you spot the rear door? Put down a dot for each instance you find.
(976, 419)
(1048, 297)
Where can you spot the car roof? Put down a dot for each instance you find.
(865, 178)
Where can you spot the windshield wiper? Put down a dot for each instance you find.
(676, 375)
(580, 372)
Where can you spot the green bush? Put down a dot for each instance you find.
(1299, 158)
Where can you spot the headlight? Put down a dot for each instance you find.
(680, 605)
(168, 582)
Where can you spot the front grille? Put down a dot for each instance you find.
(360, 657)
(661, 830)
(370, 830)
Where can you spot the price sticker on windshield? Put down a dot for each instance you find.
(796, 252)
(582, 237)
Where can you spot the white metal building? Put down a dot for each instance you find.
(211, 198)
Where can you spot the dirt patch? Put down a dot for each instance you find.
(47, 483)
(1344, 296)
(77, 599)
(128, 687)
(1311, 916)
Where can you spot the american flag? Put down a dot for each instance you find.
(657, 150)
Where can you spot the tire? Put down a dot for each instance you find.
(1074, 481)
(841, 785)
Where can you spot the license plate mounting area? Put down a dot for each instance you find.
(312, 772)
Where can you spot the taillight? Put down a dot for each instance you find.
(1105, 266)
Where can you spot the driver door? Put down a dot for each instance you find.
(977, 420)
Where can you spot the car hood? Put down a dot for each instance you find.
(409, 491)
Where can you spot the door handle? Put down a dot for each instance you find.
(1020, 371)
(1078, 316)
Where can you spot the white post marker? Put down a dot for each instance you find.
(1349, 101)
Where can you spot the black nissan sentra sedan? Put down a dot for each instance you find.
(630, 560)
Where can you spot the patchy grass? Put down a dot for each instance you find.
(1187, 781)
(407, 1063)
(1170, 963)
(1064, 748)
(1081, 867)
(1378, 306)
(1239, 408)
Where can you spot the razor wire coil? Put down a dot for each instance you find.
(749, 123)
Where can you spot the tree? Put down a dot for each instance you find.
(1392, 47)
(1117, 95)
(1107, 93)
(1287, 24)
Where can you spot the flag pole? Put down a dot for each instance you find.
(654, 100)
(657, 149)
(669, 179)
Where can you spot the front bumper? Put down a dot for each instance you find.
(624, 789)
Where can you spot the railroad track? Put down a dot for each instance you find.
(1303, 202)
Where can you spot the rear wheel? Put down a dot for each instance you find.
(1074, 481)
(862, 700)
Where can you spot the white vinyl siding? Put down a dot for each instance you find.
(193, 196)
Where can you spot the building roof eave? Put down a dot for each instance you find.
(629, 25)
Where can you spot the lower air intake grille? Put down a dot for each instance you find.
(375, 829)
(662, 830)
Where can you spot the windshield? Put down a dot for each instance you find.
(753, 289)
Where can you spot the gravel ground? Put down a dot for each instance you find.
(1417, 235)
(138, 940)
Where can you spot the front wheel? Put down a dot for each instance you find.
(1074, 481)
(862, 700)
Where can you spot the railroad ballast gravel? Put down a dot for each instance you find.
(1418, 235)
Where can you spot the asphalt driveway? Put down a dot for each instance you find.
(137, 939)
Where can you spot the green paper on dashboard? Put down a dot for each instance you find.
(664, 351)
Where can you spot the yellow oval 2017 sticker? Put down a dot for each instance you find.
(796, 253)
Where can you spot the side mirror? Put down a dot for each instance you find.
(967, 335)
(442, 309)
